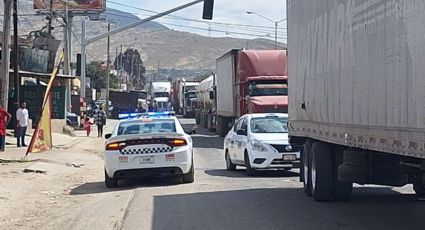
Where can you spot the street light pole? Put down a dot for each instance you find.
(275, 25)
(275, 35)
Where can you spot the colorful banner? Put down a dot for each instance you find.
(42, 138)
(73, 5)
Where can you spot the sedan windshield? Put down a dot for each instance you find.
(147, 127)
(272, 124)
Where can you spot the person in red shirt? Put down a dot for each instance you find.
(87, 125)
(4, 120)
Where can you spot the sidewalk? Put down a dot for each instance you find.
(13, 153)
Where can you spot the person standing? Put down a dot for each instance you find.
(4, 120)
(22, 117)
(100, 121)
(87, 125)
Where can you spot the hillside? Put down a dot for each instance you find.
(158, 44)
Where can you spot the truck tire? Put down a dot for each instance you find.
(306, 169)
(342, 189)
(419, 185)
(110, 182)
(221, 127)
(321, 172)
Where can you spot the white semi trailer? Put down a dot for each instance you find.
(357, 93)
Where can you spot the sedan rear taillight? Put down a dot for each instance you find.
(115, 146)
(178, 142)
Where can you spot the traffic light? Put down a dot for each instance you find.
(208, 9)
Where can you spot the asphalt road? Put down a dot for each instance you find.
(230, 200)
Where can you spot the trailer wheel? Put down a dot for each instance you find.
(306, 169)
(419, 185)
(221, 125)
(321, 172)
(342, 189)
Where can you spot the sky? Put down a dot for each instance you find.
(230, 17)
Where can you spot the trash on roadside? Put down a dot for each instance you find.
(74, 165)
(34, 171)
(2, 161)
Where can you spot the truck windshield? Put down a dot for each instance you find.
(268, 88)
(190, 95)
(269, 125)
(161, 94)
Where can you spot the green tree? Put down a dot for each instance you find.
(131, 62)
(98, 74)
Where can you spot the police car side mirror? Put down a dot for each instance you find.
(241, 132)
(107, 136)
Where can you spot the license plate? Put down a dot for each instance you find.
(289, 157)
(147, 160)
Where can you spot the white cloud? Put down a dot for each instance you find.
(233, 12)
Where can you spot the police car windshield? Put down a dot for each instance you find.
(147, 126)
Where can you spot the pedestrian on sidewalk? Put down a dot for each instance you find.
(100, 120)
(4, 120)
(22, 117)
(87, 125)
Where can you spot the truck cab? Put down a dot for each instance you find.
(267, 95)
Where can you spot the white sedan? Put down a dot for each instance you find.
(260, 141)
(148, 145)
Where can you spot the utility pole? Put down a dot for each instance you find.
(16, 54)
(5, 62)
(67, 52)
(83, 60)
(108, 57)
(122, 65)
(275, 35)
(49, 19)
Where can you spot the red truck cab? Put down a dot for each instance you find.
(263, 80)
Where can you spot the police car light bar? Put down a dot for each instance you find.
(146, 115)
(129, 115)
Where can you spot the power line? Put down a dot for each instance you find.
(190, 19)
(210, 29)
(222, 31)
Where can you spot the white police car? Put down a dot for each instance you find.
(150, 144)
(260, 141)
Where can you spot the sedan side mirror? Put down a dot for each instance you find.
(107, 136)
(241, 132)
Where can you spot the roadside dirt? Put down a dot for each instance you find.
(41, 200)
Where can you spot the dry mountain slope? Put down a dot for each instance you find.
(156, 43)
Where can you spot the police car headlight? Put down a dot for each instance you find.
(288, 148)
(259, 147)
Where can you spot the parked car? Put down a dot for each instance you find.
(72, 120)
(260, 141)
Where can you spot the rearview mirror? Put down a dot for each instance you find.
(107, 136)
